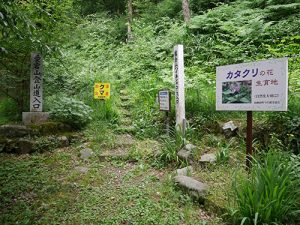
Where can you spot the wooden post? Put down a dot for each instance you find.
(167, 124)
(178, 72)
(249, 140)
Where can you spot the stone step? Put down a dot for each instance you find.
(185, 171)
(15, 131)
(29, 145)
(186, 153)
(126, 112)
(126, 104)
(118, 153)
(81, 169)
(124, 92)
(126, 121)
(86, 153)
(126, 129)
(125, 97)
(124, 140)
(193, 187)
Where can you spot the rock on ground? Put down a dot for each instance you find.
(26, 146)
(86, 153)
(14, 131)
(208, 158)
(185, 171)
(82, 169)
(190, 147)
(195, 188)
(63, 141)
(230, 129)
(184, 154)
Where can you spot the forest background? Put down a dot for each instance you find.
(130, 44)
(218, 33)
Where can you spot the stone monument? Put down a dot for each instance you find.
(36, 114)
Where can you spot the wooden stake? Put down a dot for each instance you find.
(167, 124)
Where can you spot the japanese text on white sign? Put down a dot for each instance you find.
(257, 86)
(164, 100)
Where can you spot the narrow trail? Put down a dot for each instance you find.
(123, 135)
(90, 183)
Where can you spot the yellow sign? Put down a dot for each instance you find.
(102, 91)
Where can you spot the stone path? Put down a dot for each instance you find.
(124, 132)
(125, 125)
(124, 141)
(194, 188)
(121, 149)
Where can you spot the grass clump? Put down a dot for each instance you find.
(171, 145)
(271, 194)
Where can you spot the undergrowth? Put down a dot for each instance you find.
(270, 195)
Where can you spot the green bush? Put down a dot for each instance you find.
(271, 193)
(287, 129)
(169, 8)
(9, 111)
(199, 6)
(70, 111)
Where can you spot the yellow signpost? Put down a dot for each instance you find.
(102, 91)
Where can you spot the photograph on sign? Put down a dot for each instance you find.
(256, 86)
(164, 100)
(234, 92)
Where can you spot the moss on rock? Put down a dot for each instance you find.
(48, 128)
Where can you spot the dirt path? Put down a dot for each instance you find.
(92, 183)
(62, 187)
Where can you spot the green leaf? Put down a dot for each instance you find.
(245, 100)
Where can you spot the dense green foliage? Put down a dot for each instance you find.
(28, 26)
(84, 42)
(70, 111)
(218, 34)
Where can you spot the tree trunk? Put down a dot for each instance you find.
(130, 13)
(186, 10)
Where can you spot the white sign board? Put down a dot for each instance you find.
(178, 72)
(36, 83)
(256, 86)
(164, 100)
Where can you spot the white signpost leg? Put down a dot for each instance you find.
(178, 72)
